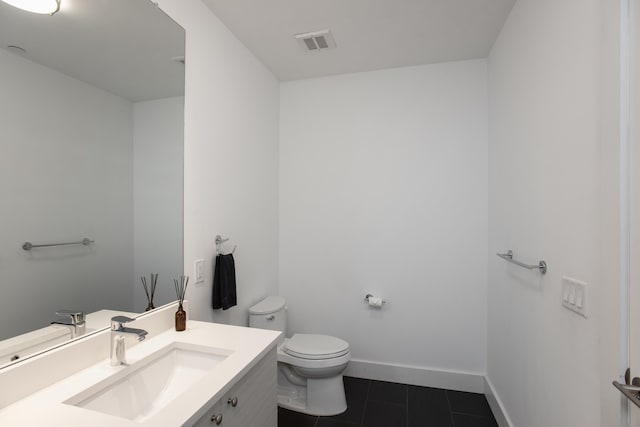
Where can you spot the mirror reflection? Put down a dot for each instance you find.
(91, 114)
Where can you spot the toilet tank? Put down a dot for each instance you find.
(270, 313)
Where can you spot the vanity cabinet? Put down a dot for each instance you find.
(250, 402)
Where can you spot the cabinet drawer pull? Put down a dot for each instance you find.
(233, 401)
(271, 317)
(216, 418)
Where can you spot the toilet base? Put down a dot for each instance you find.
(320, 396)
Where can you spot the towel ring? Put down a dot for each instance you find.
(219, 241)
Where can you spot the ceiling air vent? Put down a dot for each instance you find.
(316, 41)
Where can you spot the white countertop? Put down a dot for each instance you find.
(33, 342)
(29, 343)
(248, 345)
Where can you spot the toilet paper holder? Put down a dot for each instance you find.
(367, 296)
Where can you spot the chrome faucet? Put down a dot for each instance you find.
(74, 319)
(118, 331)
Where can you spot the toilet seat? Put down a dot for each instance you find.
(315, 347)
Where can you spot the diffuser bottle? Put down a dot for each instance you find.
(181, 291)
(181, 318)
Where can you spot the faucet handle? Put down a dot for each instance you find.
(117, 321)
(122, 319)
(76, 316)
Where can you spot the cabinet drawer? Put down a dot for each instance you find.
(254, 396)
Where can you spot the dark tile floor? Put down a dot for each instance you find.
(376, 403)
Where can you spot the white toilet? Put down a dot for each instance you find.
(309, 366)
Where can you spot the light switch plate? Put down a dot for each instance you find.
(198, 270)
(574, 295)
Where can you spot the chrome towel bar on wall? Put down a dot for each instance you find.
(27, 246)
(542, 265)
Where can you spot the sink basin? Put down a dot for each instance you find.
(144, 388)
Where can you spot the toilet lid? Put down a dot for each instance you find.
(311, 346)
(268, 305)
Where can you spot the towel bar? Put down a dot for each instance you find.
(27, 246)
(542, 265)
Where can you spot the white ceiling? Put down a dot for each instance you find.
(122, 46)
(370, 34)
(126, 46)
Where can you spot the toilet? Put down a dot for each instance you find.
(310, 366)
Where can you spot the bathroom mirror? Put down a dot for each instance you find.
(91, 116)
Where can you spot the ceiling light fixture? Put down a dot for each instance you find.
(48, 7)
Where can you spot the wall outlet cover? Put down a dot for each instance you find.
(198, 270)
(574, 295)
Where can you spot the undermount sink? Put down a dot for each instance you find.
(145, 387)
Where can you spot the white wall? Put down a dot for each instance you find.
(383, 189)
(608, 294)
(553, 195)
(157, 206)
(231, 160)
(65, 173)
(545, 185)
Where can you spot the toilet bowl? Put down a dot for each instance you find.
(310, 366)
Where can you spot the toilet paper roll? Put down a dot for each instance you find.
(375, 301)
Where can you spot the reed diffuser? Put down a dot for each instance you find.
(150, 290)
(181, 291)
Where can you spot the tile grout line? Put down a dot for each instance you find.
(407, 406)
(366, 402)
(470, 413)
(484, 417)
(453, 423)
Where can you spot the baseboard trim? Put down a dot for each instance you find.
(496, 405)
(450, 380)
